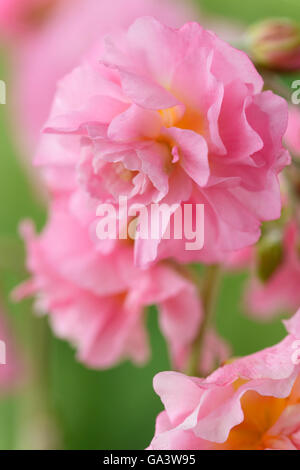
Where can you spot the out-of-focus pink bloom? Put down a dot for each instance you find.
(240, 259)
(44, 54)
(292, 136)
(96, 297)
(173, 116)
(246, 258)
(251, 403)
(281, 292)
(10, 364)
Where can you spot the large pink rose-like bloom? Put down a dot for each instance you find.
(173, 116)
(96, 297)
(251, 403)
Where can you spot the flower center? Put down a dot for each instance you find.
(260, 415)
(171, 116)
(183, 118)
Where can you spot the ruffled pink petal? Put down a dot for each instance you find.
(134, 124)
(193, 154)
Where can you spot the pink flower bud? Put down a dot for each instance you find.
(275, 43)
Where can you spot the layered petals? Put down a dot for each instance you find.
(160, 108)
(251, 403)
(96, 298)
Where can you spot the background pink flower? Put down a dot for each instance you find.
(280, 293)
(252, 403)
(97, 298)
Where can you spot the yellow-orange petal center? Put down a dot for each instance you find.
(260, 415)
(170, 116)
(183, 118)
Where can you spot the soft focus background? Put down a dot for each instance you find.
(113, 409)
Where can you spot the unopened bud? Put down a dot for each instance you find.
(270, 255)
(275, 43)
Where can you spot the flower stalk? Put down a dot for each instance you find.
(208, 291)
(38, 429)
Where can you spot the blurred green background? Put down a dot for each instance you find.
(114, 409)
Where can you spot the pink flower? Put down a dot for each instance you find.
(96, 297)
(251, 403)
(173, 116)
(240, 259)
(292, 136)
(281, 292)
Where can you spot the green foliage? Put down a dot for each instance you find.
(252, 10)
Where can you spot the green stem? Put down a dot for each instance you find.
(38, 428)
(208, 292)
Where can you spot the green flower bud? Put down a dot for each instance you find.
(269, 256)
